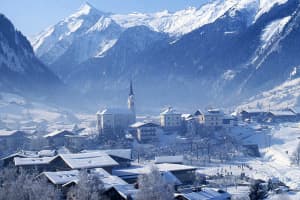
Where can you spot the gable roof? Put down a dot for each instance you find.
(198, 112)
(113, 111)
(169, 111)
(61, 177)
(121, 153)
(88, 160)
(6, 133)
(143, 124)
(58, 132)
(33, 161)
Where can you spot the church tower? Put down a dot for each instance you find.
(131, 105)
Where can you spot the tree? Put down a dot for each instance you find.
(257, 191)
(89, 187)
(152, 186)
(296, 155)
(24, 186)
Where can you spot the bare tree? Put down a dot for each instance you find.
(89, 187)
(152, 186)
(296, 155)
(24, 186)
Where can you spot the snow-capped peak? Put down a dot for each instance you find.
(86, 9)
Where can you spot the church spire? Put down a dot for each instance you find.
(131, 89)
(131, 105)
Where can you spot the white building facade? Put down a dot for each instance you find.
(170, 119)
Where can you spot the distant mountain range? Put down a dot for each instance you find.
(219, 54)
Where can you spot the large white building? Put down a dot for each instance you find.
(214, 118)
(115, 120)
(170, 119)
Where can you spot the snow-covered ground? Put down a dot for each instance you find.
(277, 144)
(17, 113)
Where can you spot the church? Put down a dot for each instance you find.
(116, 120)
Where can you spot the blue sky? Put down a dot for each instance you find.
(32, 16)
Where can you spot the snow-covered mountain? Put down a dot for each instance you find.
(224, 51)
(20, 70)
(89, 32)
(286, 95)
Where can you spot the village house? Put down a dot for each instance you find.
(285, 115)
(121, 192)
(10, 139)
(214, 118)
(114, 121)
(199, 116)
(184, 173)
(122, 156)
(145, 131)
(38, 164)
(58, 138)
(170, 120)
(87, 160)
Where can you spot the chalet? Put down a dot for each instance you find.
(121, 192)
(199, 115)
(67, 178)
(254, 115)
(283, 116)
(58, 138)
(185, 174)
(83, 161)
(9, 159)
(204, 194)
(122, 156)
(169, 159)
(34, 163)
(9, 139)
(145, 131)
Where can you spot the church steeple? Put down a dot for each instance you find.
(131, 89)
(131, 105)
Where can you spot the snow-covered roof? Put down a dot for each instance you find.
(45, 153)
(143, 124)
(138, 169)
(174, 167)
(214, 112)
(33, 161)
(88, 160)
(121, 153)
(170, 111)
(198, 112)
(169, 159)
(62, 177)
(58, 132)
(112, 111)
(283, 113)
(72, 176)
(205, 194)
(126, 190)
(6, 133)
(22, 154)
(186, 116)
